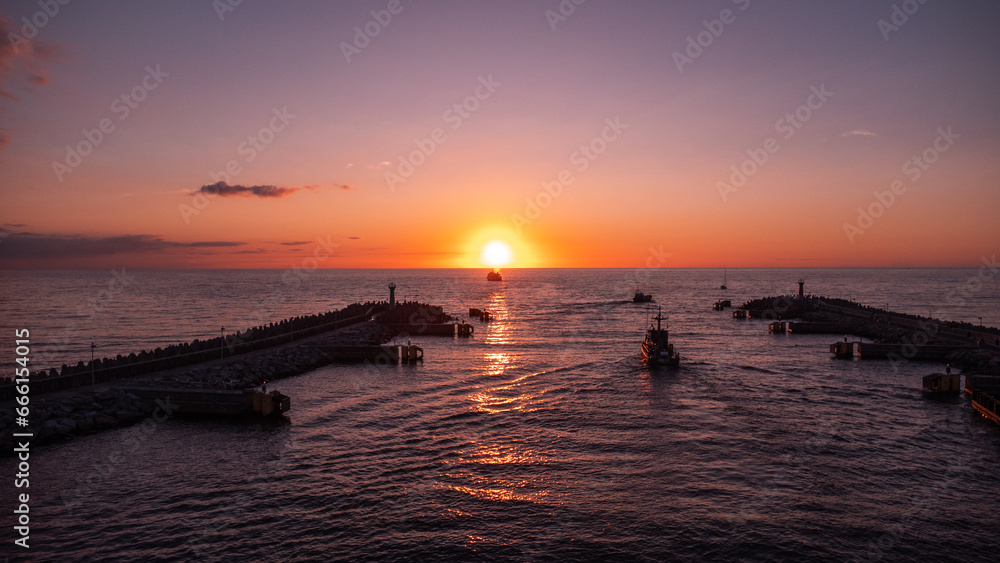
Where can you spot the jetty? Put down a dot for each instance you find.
(984, 391)
(222, 376)
(893, 336)
(230, 402)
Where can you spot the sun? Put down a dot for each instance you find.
(496, 254)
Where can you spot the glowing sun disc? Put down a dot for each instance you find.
(496, 254)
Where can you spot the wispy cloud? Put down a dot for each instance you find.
(263, 191)
(22, 61)
(21, 246)
(225, 190)
(858, 133)
(296, 243)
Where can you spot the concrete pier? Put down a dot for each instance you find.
(821, 328)
(227, 402)
(896, 336)
(927, 352)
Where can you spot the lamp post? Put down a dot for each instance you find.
(980, 322)
(93, 374)
(222, 343)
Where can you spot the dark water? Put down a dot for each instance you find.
(540, 439)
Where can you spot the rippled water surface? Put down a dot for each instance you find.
(541, 438)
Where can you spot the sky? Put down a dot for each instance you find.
(579, 133)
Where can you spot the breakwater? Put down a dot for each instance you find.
(103, 370)
(345, 337)
(902, 336)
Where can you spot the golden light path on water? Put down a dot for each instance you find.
(499, 400)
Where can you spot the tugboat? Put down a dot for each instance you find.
(656, 348)
(494, 275)
(641, 297)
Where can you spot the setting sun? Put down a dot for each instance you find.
(496, 254)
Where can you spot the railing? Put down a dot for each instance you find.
(987, 402)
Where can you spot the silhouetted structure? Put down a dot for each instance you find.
(656, 348)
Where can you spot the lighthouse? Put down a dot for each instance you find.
(392, 294)
(801, 283)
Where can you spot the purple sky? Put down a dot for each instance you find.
(665, 178)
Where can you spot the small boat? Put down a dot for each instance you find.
(723, 286)
(641, 297)
(494, 276)
(656, 348)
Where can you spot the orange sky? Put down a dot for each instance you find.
(317, 144)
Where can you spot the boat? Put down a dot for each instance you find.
(494, 276)
(656, 348)
(641, 297)
(723, 286)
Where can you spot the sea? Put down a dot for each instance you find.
(541, 438)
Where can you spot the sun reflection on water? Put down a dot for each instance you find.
(498, 490)
(499, 329)
(503, 454)
(502, 392)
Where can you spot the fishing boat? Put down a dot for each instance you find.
(641, 297)
(494, 275)
(656, 348)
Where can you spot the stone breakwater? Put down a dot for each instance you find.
(58, 416)
(880, 325)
